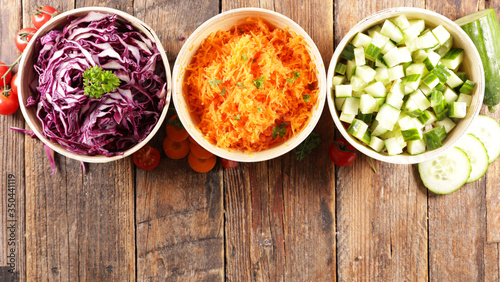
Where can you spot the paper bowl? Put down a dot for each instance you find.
(225, 21)
(471, 65)
(27, 74)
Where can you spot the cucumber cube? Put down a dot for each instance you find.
(359, 56)
(447, 123)
(367, 104)
(416, 147)
(387, 116)
(348, 52)
(416, 68)
(382, 75)
(376, 143)
(434, 137)
(390, 30)
(453, 80)
(442, 72)
(402, 22)
(415, 28)
(348, 118)
(365, 73)
(340, 68)
(420, 100)
(357, 129)
(465, 98)
(366, 118)
(361, 40)
(430, 80)
(351, 106)
(376, 89)
(339, 102)
(427, 118)
(426, 41)
(392, 57)
(458, 109)
(419, 56)
(392, 146)
(358, 84)
(380, 102)
(377, 129)
(425, 89)
(351, 68)
(432, 60)
(388, 47)
(444, 48)
(467, 87)
(343, 91)
(395, 72)
(453, 58)
(371, 31)
(441, 34)
(338, 80)
(450, 95)
(404, 55)
(411, 82)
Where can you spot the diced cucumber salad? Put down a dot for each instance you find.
(400, 87)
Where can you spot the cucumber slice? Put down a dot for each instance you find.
(446, 173)
(487, 130)
(476, 152)
(484, 30)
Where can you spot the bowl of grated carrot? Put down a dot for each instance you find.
(249, 85)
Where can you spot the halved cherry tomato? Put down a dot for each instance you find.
(9, 103)
(201, 165)
(43, 14)
(23, 37)
(228, 163)
(342, 153)
(3, 69)
(175, 150)
(175, 131)
(147, 157)
(14, 84)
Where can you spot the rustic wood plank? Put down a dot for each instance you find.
(381, 217)
(179, 213)
(78, 226)
(280, 221)
(493, 174)
(458, 248)
(12, 242)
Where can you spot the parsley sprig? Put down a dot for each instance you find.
(305, 148)
(97, 81)
(279, 130)
(258, 82)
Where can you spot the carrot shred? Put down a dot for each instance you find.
(245, 81)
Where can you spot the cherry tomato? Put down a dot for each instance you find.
(342, 153)
(14, 84)
(228, 163)
(23, 37)
(147, 157)
(9, 103)
(43, 14)
(3, 70)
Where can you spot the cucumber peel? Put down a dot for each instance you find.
(484, 31)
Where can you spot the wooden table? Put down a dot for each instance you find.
(276, 220)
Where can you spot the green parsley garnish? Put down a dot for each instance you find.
(237, 117)
(223, 92)
(305, 148)
(240, 84)
(259, 109)
(258, 82)
(306, 98)
(289, 80)
(176, 122)
(96, 82)
(296, 74)
(279, 130)
(215, 82)
(244, 57)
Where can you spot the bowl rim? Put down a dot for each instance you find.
(134, 22)
(363, 25)
(233, 154)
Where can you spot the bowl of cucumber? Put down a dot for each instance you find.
(406, 83)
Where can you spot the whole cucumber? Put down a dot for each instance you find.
(484, 30)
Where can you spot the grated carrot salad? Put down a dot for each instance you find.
(252, 86)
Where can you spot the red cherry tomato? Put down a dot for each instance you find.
(147, 157)
(14, 84)
(23, 37)
(43, 14)
(342, 153)
(228, 163)
(3, 69)
(9, 103)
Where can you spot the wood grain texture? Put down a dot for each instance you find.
(280, 221)
(179, 212)
(381, 217)
(493, 174)
(458, 248)
(12, 159)
(78, 226)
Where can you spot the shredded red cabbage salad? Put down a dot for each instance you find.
(119, 119)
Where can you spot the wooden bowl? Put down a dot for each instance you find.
(27, 74)
(225, 21)
(471, 65)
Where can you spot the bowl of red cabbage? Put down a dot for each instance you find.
(94, 84)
